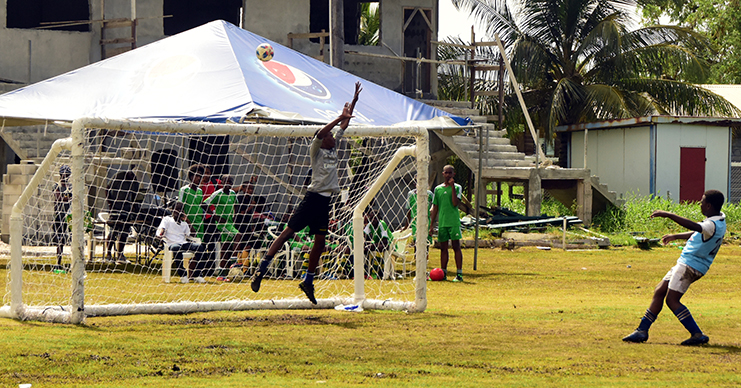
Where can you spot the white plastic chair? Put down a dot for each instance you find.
(284, 254)
(397, 254)
(94, 238)
(167, 262)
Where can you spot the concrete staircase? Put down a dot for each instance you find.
(34, 141)
(605, 194)
(502, 162)
(497, 151)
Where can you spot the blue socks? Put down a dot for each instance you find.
(264, 263)
(682, 313)
(309, 277)
(647, 320)
(685, 318)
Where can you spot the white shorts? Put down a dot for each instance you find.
(681, 276)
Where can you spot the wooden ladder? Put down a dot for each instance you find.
(107, 52)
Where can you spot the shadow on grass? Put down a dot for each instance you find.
(282, 319)
(727, 348)
(473, 277)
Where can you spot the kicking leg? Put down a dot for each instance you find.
(657, 303)
(685, 318)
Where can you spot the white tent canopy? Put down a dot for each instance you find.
(211, 73)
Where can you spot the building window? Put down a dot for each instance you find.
(362, 20)
(318, 17)
(187, 14)
(64, 15)
(369, 23)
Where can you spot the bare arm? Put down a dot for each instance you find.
(683, 222)
(351, 107)
(455, 199)
(344, 116)
(679, 236)
(433, 219)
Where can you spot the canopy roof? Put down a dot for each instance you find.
(211, 73)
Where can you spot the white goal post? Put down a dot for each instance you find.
(380, 166)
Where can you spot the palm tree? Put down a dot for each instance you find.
(370, 22)
(577, 61)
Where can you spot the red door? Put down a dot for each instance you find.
(691, 174)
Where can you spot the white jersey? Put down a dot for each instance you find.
(174, 232)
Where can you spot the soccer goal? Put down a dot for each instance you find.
(125, 176)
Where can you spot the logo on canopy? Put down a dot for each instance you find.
(296, 80)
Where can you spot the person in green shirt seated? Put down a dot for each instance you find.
(378, 239)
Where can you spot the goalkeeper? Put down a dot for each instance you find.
(314, 208)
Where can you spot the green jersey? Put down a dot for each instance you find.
(192, 200)
(223, 204)
(371, 232)
(412, 206)
(447, 214)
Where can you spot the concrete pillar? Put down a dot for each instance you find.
(534, 193)
(584, 200)
(337, 33)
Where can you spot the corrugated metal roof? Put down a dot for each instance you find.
(646, 120)
(732, 93)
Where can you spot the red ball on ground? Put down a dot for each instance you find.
(437, 275)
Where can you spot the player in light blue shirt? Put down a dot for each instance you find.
(703, 241)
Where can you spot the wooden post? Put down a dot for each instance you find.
(564, 233)
(337, 33)
(321, 46)
(418, 88)
(586, 132)
(500, 78)
(584, 200)
(534, 195)
(471, 68)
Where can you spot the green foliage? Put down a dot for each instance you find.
(516, 203)
(716, 20)
(635, 216)
(578, 62)
(370, 23)
(462, 173)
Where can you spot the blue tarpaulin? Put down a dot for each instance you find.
(212, 73)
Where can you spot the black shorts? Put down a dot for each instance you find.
(61, 231)
(119, 221)
(312, 211)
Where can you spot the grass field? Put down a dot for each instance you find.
(525, 318)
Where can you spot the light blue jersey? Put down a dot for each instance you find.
(701, 248)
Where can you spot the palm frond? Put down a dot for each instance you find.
(566, 94)
(681, 98)
(495, 16)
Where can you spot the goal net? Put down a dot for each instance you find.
(102, 193)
